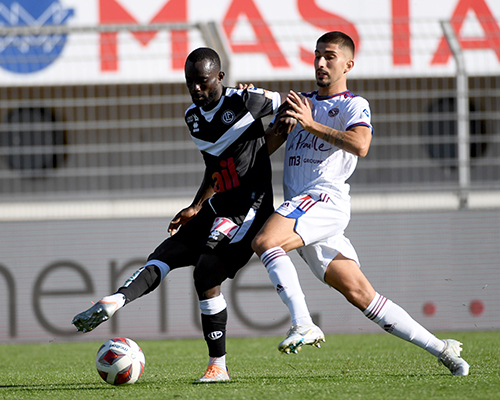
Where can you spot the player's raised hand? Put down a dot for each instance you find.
(180, 219)
(300, 109)
(242, 86)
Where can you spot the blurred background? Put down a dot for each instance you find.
(95, 158)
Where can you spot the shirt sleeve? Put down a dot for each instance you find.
(261, 102)
(358, 114)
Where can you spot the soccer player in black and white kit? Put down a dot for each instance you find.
(233, 202)
(321, 154)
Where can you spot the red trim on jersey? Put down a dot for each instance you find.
(307, 203)
(347, 93)
(360, 124)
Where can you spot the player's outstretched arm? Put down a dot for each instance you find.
(243, 86)
(273, 139)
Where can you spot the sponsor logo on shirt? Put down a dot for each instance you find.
(192, 118)
(227, 177)
(224, 226)
(309, 142)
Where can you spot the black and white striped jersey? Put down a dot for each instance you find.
(231, 140)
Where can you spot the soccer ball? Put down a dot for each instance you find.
(119, 361)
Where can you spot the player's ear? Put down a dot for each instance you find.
(221, 75)
(349, 65)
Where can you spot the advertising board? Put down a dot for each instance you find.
(266, 40)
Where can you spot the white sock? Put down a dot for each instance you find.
(213, 306)
(393, 319)
(284, 277)
(117, 298)
(219, 361)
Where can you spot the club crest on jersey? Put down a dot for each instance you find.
(333, 112)
(228, 117)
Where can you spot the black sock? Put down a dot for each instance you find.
(147, 281)
(214, 330)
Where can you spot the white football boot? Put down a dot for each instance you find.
(213, 374)
(90, 319)
(450, 357)
(299, 335)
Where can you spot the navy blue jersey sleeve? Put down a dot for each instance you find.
(261, 102)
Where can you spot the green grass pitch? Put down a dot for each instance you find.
(346, 367)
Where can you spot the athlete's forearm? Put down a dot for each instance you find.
(205, 191)
(273, 140)
(356, 140)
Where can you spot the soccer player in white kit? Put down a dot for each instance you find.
(321, 154)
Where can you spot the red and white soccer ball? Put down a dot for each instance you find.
(119, 361)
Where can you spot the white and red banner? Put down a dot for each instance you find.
(267, 40)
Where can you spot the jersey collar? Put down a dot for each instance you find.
(344, 93)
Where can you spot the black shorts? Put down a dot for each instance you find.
(229, 237)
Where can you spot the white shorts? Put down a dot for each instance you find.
(320, 222)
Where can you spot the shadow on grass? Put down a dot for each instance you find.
(59, 386)
(341, 375)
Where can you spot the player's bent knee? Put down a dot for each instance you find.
(256, 246)
(208, 273)
(261, 243)
(203, 281)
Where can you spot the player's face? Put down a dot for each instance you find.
(204, 83)
(331, 63)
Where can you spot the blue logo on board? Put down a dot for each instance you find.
(25, 54)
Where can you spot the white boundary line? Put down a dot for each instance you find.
(166, 208)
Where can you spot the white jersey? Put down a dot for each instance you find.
(315, 166)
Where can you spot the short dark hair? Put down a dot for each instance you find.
(339, 38)
(205, 53)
